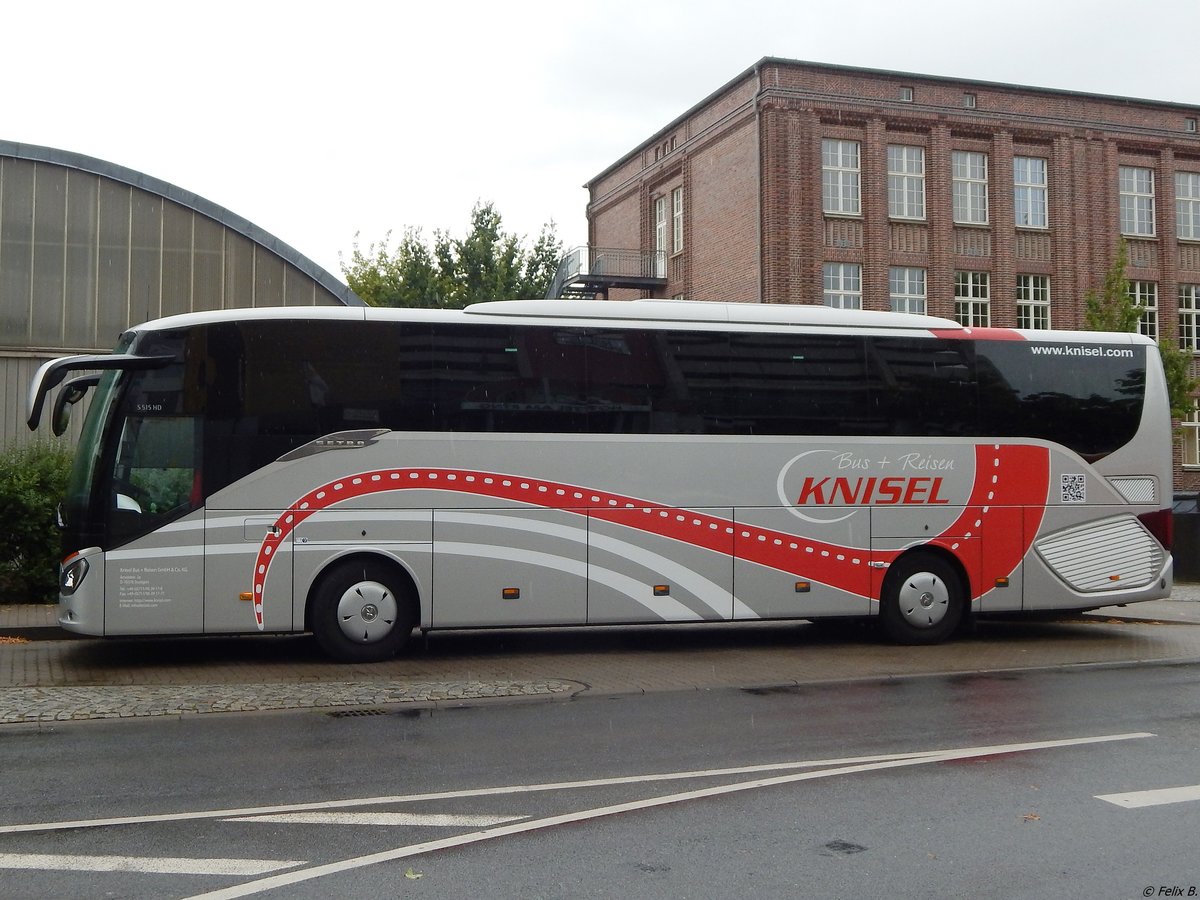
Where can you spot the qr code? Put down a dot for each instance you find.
(1074, 489)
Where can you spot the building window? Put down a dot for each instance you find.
(1145, 295)
(1190, 125)
(1187, 206)
(660, 237)
(969, 101)
(906, 182)
(1189, 317)
(1033, 301)
(840, 177)
(677, 220)
(906, 94)
(970, 188)
(1137, 201)
(972, 292)
(907, 289)
(843, 285)
(1029, 192)
(1191, 436)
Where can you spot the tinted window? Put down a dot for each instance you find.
(1087, 397)
(924, 387)
(502, 378)
(150, 471)
(276, 385)
(800, 384)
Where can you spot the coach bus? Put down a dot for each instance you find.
(363, 473)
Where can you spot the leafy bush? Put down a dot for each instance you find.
(32, 481)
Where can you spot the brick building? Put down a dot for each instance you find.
(992, 204)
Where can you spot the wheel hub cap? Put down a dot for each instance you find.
(924, 600)
(367, 612)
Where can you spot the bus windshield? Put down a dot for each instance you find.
(137, 466)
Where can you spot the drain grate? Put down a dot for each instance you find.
(355, 713)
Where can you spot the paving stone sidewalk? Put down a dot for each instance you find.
(48, 676)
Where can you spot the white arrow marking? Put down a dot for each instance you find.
(1161, 797)
(919, 756)
(285, 879)
(167, 865)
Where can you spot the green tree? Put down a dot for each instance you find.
(488, 263)
(408, 276)
(1177, 365)
(1115, 308)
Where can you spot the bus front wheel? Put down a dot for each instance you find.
(923, 600)
(362, 611)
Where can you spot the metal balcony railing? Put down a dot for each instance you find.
(595, 270)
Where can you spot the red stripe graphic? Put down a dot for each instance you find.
(1008, 496)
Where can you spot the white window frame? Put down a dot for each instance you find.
(677, 220)
(970, 187)
(906, 182)
(1029, 192)
(1145, 295)
(1033, 302)
(907, 289)
(1187, 206)
(1136, 189)
(841, 177)
(1189, 317)
(1190, 434)
(972, 299)
(660, 237)
(842, 285)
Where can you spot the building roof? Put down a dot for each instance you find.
(195, 202)
(753, 71)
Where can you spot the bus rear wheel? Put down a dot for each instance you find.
(923, 600)
(362, 611)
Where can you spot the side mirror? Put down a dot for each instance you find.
(72, 392)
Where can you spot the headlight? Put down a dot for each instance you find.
(72, 575)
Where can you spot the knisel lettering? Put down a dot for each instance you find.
(830, 491)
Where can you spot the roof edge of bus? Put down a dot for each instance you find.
(710, 311)
(249, 313)
(699, 312)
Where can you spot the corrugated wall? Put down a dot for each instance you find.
(83, 256)
(15, 375)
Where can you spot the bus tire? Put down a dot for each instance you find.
(362, 611)
(923, 599)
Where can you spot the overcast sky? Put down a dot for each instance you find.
(320, 121)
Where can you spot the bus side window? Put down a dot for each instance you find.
(156, 465)
(924, 387)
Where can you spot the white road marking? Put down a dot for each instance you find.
(1161, 797)
(165, 865)
(289, 878)
(380, 818)
(920, 756)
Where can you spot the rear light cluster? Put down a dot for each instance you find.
(1161, 525)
